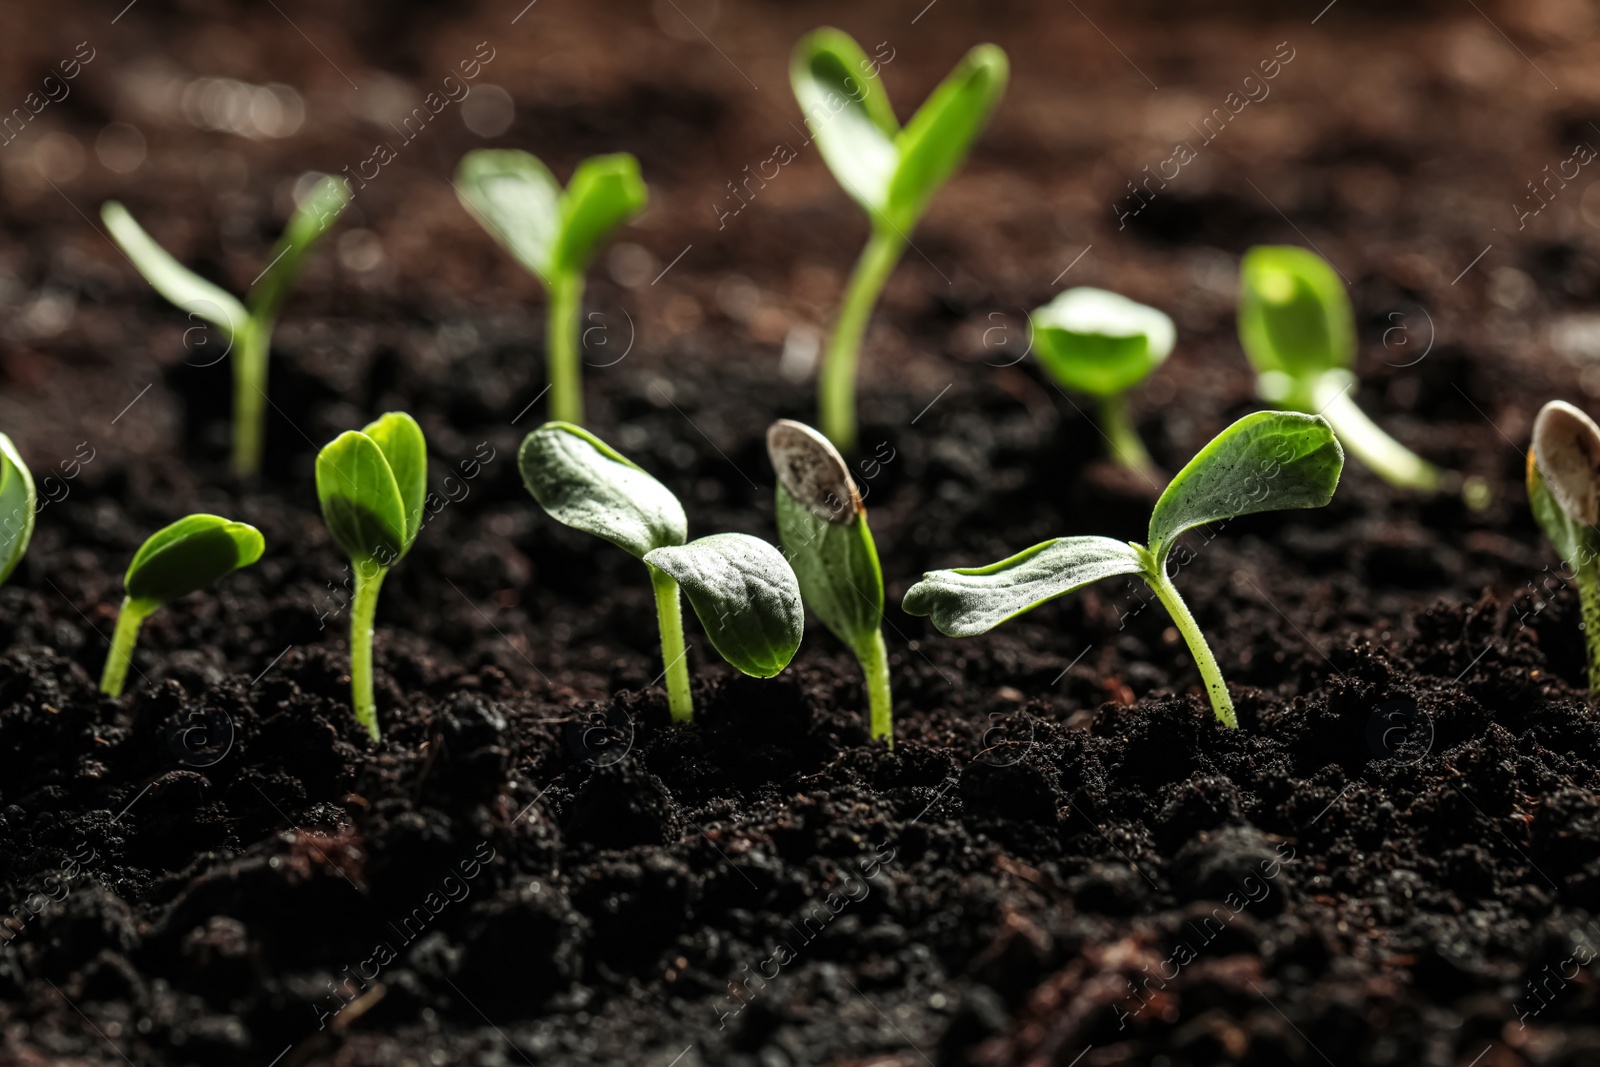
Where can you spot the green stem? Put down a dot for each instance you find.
(250, 396)
(1589, 597)
(1388, 458)
(363, 611)
(836, 385)
(129, 618)
(670, 611)
(1156, 578)
(1126, 448)
(874, 659)
(561, 347)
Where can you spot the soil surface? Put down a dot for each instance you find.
(1064, 860)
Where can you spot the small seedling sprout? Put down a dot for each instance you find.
(1096, 342)
(1564, 492)
(247, 331)
(1267, 461)
(18, 504)
(1297, 327)
(371, 483)
(742, 588)
(175, 561)
(823, 526)
(890, 170)
(554, 233)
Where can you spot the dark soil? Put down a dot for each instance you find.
(1064, 860)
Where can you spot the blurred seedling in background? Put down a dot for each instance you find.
(1096, 342)
(823, 527)
(175, 561)
(1297, 327)
(18, 505)
(555, 233)
(371, 483)
(1267, 461)
(247, 328)
(742, 588)
(892, 172)
(1564, 492)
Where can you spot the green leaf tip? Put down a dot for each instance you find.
(1099, 342)
(190, 555)
(582, 482)
(19, 504)
(1295, 317)
(746, 597)
(1266, 461)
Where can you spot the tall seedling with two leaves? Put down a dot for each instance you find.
(823, 526)
(555, 233)
(247, 328)
(1267, 461)
(892, 172)
(174, 561)
(1564, 492)
(371, 483)
(742, 588)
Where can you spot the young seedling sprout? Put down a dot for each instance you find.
(1103, 344)
(742, 588)
(175, 561)
(371, 483)
(248, 332)
(823, 526)
(892, 172)
(555, 234)
(1267, 461)
(18, 504)
(1297, 327)
(1564, 491)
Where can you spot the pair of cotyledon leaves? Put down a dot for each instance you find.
(189, 555)
(371, 483)
(1099, 342)
(1295, 320)
(891, 171)
(1267, 461)
(187, 290)
(742, 588)
(554, 233)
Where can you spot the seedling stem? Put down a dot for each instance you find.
(1588, 575)
(1155, 577)
(249, 396)
(566, 386)
(363, 612)
(839, 365)
(669, 609)
(874, 658)
(134, 611)
(1388, 458)
(1126, 447)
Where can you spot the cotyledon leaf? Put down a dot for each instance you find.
(584, 483)
(745, 594)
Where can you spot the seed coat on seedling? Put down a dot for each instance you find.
(1564, 493)
(18, 505)
(822, 525)
(1266, 461)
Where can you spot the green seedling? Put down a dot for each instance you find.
(555, 233)
(18, 505)
(823, 526)
(1267, 461)
(1096, 342)
(247, 328)
(891, 171)
(1564, 492)
(1297, 327)
(176, 560)
(742, 588)
(371, 483)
